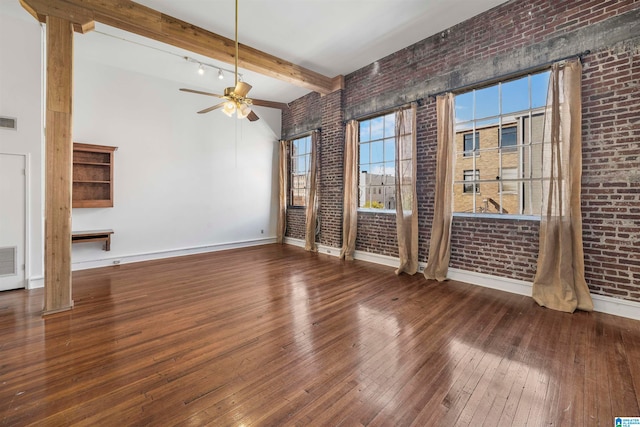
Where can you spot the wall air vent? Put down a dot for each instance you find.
(10, 123)
(8, 261)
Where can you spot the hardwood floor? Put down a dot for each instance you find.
(274, 336)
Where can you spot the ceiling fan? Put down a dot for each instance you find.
(235, 98)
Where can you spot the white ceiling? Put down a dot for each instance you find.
(331, 37)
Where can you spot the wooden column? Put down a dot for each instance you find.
(58, 167)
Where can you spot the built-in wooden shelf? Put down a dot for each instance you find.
(92, 176)
(93, 236)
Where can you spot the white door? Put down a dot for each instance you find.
(12, 221)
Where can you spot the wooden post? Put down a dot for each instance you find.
(58, 168)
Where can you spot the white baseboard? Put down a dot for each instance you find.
(616, 306)
(150, 256)
(359, 255)
(35, 282)
(297, 242)
(601, 303)
(513, 286)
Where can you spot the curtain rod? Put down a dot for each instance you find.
(506, 76)
(402, 106)
(302, 134)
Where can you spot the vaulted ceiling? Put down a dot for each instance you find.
(331, 37)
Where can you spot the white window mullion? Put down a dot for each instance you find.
(500, 187)
(520, 150)
(473, 153)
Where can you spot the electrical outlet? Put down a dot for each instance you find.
(261, 231)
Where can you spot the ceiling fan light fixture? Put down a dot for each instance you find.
(229, 108)
(243, 111)
(235, 98)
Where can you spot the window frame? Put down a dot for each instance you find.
(475, 146)
(511, 181)
(529, 140)
(475, 180)
(293, 173)
(510, 147)
(382, 189)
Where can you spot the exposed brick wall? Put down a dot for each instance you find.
(331, 159)
(505, 248)
(377, 233)
(537, 29)
(296, 221)
(426, 172)
(303, 116)
(513, 25)
(611, 171)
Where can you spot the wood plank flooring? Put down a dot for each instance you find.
(275, 336)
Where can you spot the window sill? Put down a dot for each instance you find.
(378, 211)
(497, 216)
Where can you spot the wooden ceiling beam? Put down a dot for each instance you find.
(138, 19)
(81, 19)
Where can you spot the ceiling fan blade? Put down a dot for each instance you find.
(206, 110)
(242, 89)
(270, 104)
(199, 92)
(253, 117)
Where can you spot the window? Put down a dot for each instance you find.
(470, 176)
(469, 144)
(508, 118)
(300, 162)
(377, 158)
(509, 180)
(509, 138)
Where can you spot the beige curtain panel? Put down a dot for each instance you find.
(283, 178)
(559, 282)
(312, 197)
(440, 244)
(350, 205)
(406, 197)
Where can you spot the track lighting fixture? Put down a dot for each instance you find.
(202, 65)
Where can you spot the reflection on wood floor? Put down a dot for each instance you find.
(274, 336)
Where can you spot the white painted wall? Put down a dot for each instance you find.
(182, 180)
(20, 97)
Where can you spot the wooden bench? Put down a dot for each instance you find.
(93, 236)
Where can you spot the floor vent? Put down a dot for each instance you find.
(8, 261)
(10, 123)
